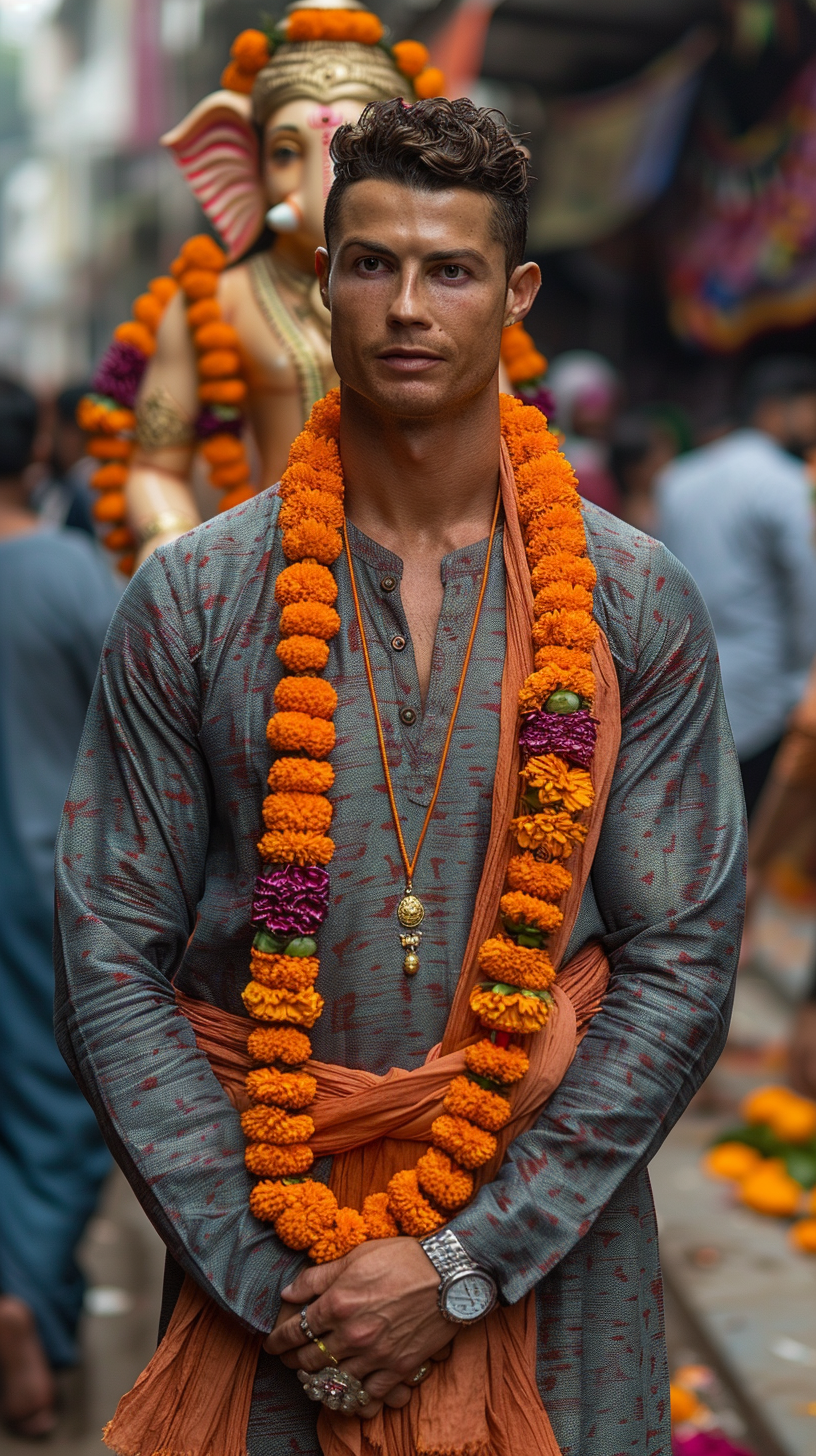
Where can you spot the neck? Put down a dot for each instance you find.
(16, 515)
(430, 480)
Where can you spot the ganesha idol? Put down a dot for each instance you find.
(234, 346)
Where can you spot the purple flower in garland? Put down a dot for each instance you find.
(119, 373)
(209, 423)
(291, 899)
(572, 735)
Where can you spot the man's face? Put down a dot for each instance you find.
(418, 295)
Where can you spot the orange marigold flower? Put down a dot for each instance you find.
(430, 82)
(302, 1008)
(223, 477)
(535, 499)
(565, 629)
(199, 282)
(110, 507)
(295, 846)
(300, 775)
(414, 1214)
(568, 660)
(283, 1089)
(222, 391)
(303, 654)
(489, 1110)
(347, 1231)
(302, 476)
(251, 50)
(136, 334)
(410, 57)
(529, 910)
(279, 1044)
(223, 450)
(732, 1161)
(520, 357)
(318, 452)
(471, 1146)
(310, 695)
(109, 447)
(501, 1064)
(121, 538)
(310, 1210)
(513, 1012)
(217, 335)
(235, 78)
(202, 251)
(312, 538)
(769, 1189)
(553, 830)
(273, 1125)
(562, 566)
(109, 477)
(540, 684)
(378, 1221)
(299, 733)
(315, 505)
(803, 1235)
(297, 811)
(148, 310)
(325, 416)
(563, 596)
(236, 497)
(205, 311)
(559, 783)
(218, 364)
(266, 1160)
(448, 1185)
(267, 1200)
(534, 877)
(305, 581)
(282, 972)
(313, 619)
(500, 959)
(163, 288)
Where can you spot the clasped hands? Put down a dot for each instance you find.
(375, 1310)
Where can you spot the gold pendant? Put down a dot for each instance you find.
(410, 914)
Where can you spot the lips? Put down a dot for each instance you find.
(406, 361)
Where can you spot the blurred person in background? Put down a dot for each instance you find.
(64, 496)
(57, 596)
(644, 442)
(587, 392)
(738, 514)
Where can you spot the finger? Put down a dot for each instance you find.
(379, 1383)
(310, 1357)
(398, 1397)
(288, 1336)
(444, 1353)
(312, 1282)
(372, 1409)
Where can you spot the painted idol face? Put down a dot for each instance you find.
(297, 167)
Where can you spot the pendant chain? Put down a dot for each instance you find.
(411, 911)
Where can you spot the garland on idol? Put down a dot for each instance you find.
(557, 740)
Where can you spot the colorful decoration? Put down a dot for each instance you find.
(291, 895)
(771, 1159)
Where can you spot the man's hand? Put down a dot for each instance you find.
(375, 1310)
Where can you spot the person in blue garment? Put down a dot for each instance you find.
(57, 596)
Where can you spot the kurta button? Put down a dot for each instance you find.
(398, 643)
(407, 716)
(388, 584)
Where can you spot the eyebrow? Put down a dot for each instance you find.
(284, 127)
(441, 255)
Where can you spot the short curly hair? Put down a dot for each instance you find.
(434, 145)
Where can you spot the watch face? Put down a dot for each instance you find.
(469, 1296)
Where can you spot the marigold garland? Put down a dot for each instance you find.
(555, 792)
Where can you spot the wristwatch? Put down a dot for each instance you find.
(466, 1292)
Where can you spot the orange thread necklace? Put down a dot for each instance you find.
(410, 910)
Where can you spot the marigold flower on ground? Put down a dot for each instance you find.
(488, 1110)
(465, 1143)
(731, 1161)
(266, 1160)
(315, 505)
(302, 1008)
(303, 654)
(769, 1189)
(552, 830)
(313, 619)
(267, 1200)
(305, 581)
(281, 1089)
(299, 733)
(279, 1044)
(502, 1064)
(273, 1125)
(500, 959)
(513, 1012)
(535, 877)
(523, 909)
(310, 1210)
(558, 782)
(293, 846)
(282, 972)
(346, 1233)
(299, 775)
(378, 1221)
(791, 1117)
(442, 1180)
(803, 1235)
(414, 1214)
(297, 811)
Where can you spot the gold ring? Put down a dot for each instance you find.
(322, 1348)
(421, 1374)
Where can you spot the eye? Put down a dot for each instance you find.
(452, 272)
(284, 156)
(369, 265)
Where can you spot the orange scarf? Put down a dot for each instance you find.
(194, 1397)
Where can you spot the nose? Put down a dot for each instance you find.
(408, 307)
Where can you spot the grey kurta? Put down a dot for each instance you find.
(156, 867)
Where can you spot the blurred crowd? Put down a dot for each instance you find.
(734, 504)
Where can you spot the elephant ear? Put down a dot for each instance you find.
(216, 147)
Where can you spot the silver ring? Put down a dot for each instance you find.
(334, 1388)
(304, 1324)
(421, 1374)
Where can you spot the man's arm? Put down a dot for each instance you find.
(668, 880)
(130, 870)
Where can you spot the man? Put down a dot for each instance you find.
(56, 599)
(738, 515)
(64, 497)
(425, 228)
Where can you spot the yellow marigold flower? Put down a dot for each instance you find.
(559, 783)
(300, 1007)
(305, 581)
(524, 909)
(273, 1125)
(267, 1200)
(502, 1064)
(471, 1146)
(515, 1012)
(803, 1235)
(489, 1110)
(281, 1089)
(412, 1211)
(297, 811)
(300, 775)
(293, 846)
(298, 733)
(310, 695)
(279, 1044)
(378, 1221)
(316, 505)
(310, 1210)
(347, 1232)
(535, 877)
(732, 1161)
(266, 1160)
(565, 629)
(303, 654)
(313, 539)
(553, 830)
(540, 684)
(439, 1177)
(769, 1189)
(283, 973)
(500, 959)
(310, 619)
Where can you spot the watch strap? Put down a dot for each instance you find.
(447, 1254)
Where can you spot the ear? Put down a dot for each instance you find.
(322, 271)
(216, 147)
(522, 287)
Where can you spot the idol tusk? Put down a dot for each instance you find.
(284, 217)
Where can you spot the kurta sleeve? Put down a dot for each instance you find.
(130, 873)
(668, 885)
